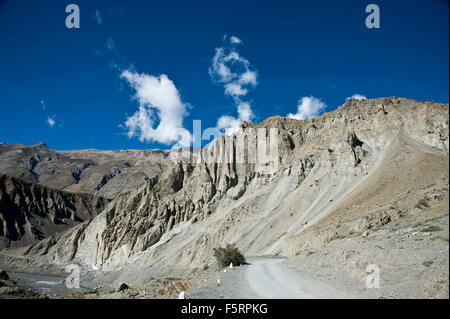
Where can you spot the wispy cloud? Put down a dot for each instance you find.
(51, 121)
(232, 70)
(159, 100)
(235, 40)
(308, 107)
(357, 97)
(98, 16)
(110, 45)
(116, 61)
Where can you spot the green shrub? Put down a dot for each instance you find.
(431, 229)
(335, 237)
(227, 255)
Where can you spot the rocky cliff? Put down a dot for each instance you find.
(31, 212)
(173, 221)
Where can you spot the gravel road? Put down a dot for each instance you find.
(266, 277)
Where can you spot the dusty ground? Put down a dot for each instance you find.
(267, 278)
(397, 219)
(412, 255)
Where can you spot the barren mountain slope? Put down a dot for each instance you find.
(396, 219)
(30, 212)
(102, 173)
(172, 223)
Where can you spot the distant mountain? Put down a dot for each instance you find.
(102, 173)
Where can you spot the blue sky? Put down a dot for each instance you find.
(296, 49)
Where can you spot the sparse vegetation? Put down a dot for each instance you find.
(431, 229)
(24, 293)
(418, 224)
(428, 263)
(76, 295)
(423, 203)
(10, 289)
(91, 292)
(173, 278)
(355, 233)
(352, 233)
(335, 237)
(436, 218)
(227, 255)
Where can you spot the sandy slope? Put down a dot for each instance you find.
(413, 261)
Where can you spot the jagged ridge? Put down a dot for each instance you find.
(30, 212)
(173, 221)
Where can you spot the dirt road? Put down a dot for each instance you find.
(266, 277)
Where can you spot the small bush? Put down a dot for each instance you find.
(418, 224)
(227, 255)
(423, 203)
(335, 237)
(3, 275)
(428, 263)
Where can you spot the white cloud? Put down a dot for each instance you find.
(158, 99)
(245, 111)
(235, 89)
(357, 97)
(249, 77)
(98, 17)
(51, 121)
(234, 72)
(231, 124)
(218, 71)
(308, 107)
(235, 40)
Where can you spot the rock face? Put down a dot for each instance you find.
(102, 173)
(30, 212)
(173, 221)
